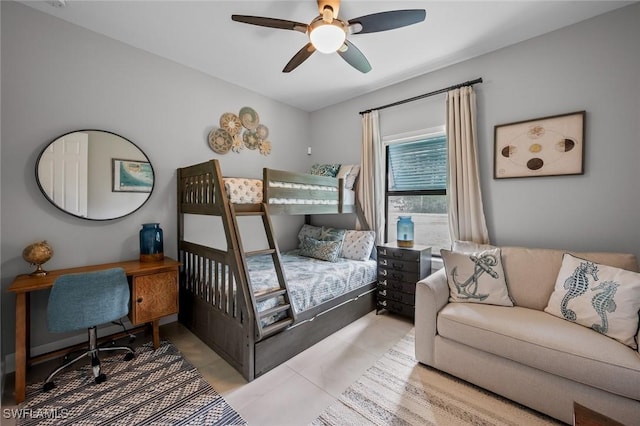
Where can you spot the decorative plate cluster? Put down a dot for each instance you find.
(231, 136)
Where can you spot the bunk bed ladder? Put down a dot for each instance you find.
(281, 293)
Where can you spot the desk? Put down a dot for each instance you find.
(154, 289)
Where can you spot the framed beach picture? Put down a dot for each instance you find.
(131, 175)
(547, 146)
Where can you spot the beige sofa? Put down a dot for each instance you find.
(523, 353)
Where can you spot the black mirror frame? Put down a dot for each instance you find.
(37, 175)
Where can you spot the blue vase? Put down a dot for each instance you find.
(151, 244)
(405, 231)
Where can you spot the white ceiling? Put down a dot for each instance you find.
(201, 35)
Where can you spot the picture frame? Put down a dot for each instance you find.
(131, 175)
(546, 146)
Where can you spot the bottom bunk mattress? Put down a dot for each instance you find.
(311, 281)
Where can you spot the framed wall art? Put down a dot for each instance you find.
(547, 146)
(131, 176)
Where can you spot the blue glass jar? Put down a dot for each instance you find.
(405, 231)
(151, 244)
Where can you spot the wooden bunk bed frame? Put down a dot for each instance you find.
(216, 300)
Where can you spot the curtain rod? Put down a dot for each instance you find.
(426, 95)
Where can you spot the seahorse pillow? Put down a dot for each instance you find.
(601, 297)
(476, 277)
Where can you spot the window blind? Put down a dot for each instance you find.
(419, 165)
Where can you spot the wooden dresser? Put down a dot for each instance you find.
(399, 269)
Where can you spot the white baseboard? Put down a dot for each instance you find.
(10, 359)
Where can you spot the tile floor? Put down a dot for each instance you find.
(294, 393)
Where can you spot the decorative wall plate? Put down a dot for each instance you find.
(262, 131)
(231, 123)
(251, 139)
(249, 118)
(220, 141)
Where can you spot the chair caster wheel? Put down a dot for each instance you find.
(128, 356)
(101, 378)
(48, 386)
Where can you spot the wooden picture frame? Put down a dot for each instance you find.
(546, 146)
(131, 175)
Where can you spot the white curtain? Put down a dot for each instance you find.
(371, 182)
(466, 215)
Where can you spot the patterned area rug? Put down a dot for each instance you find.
(398, 390)
(157, 387)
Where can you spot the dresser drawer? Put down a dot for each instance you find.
(412, 277)
(396, 296)
(398, 265)
(405, 287)
(397, 307)
(398, 254)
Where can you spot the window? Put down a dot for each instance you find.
(416, 186)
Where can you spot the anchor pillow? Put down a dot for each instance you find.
(476, 277)
(601, 297)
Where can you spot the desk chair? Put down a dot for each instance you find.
(86, 300)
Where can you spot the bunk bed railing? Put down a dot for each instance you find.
(321, 194)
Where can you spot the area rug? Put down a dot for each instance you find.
(157, 387)
(397, 390)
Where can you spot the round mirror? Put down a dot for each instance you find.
(94, 174)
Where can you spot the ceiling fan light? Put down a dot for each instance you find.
(327, 38)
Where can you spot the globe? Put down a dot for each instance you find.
(37, 254)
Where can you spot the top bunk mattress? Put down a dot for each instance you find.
(250, 191)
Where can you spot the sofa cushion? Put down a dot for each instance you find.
(531, 272)
(545, 342)
(476, 277)
(601, 297)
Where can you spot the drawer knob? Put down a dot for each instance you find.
(397, 255)
(382, 292)
(382, 282)
(397, 265)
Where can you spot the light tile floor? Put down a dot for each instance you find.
(294, 393)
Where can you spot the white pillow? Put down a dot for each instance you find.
(357, 245)
(351, 177)
(476, 277)
(598, 296)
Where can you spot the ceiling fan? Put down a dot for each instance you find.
(328, 33)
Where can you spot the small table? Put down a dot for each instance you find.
(583, 416)
(154, 289)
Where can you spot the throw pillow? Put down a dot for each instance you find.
(350, 180)
(598, 296)
(330, 170)
(476, 277)
(321, 250)
(357, 245)
(308, 231)
(331, 234)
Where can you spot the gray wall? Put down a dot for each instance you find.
(58, 77)
(592, 66)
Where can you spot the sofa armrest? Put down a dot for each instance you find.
(432, 294)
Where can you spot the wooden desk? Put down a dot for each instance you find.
(154, 294)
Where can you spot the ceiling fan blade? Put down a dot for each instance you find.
(302, 55)
(282, 24)
(354, 57)
(384, 21)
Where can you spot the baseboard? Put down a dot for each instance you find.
(10, 359)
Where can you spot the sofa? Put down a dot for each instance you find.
(523, 353)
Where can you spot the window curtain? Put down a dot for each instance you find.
(371, 182)
(466, 215)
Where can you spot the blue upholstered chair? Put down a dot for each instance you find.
(84, 301)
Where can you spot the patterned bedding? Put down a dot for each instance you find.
(311, 281)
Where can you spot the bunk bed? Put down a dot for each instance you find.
(256, 317)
